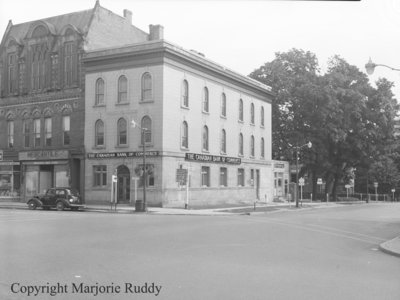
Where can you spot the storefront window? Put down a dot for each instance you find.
(99, 176)
(9, 180)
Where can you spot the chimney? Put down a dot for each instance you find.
(128, 16)
(156, 32)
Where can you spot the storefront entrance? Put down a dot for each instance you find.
(124, 184)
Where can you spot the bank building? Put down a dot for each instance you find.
(83, 94)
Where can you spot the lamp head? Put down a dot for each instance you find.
(370, 67)
(309, 144)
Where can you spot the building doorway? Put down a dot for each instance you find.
(124, 184)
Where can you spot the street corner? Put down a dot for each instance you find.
(391, 247)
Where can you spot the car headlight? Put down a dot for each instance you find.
(71, 200)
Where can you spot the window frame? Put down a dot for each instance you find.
(122, 132)
(48, 134)
(241, 110)
(99, 92)
(185, 94)
(205, 176)
(37, 132)
(184, 135)
(205, 139)
(10, 133)
(223, 177)
(223, 105)
(122, 89)
(98, 135)
(223, 141)
(146, 87)
(148, 132)
(241, 177)
(99, 176)
(206, 100)
(66, 133)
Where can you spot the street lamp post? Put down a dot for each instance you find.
(370, 67)
(143, 131)
(297, 149)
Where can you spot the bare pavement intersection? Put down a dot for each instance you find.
(319, 252)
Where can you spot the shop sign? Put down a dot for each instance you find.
(106, 155)
(43, 155)
(279, 166)
(213, 158)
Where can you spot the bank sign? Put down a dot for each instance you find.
(105, 155)
(213, 158)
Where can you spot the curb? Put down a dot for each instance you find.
(388, 247)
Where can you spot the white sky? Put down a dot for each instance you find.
(243, 35)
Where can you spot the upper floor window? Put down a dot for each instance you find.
(262, 148)
(205, 138)
(48, 131)
(185, 135)
(36, 132)
(26, 131)
(147, 130)
(252, 113)
(240, 143)
(262, 115)
(69, 54)
(10, 134)
(12, 73)
(99, 92)
(223, 105)
(66, 127)
(147, 90)
(205, 100)
(122, 89)
(38, 67)
(241, 110)
(223, 141)
(122, 132)
(252, 146)
(185, 93)
(99, 133)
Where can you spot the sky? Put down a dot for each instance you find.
(243, 35)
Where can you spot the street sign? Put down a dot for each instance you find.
(319, 181)
(347, 186)
(393, 190)
(301, 181)
(114, 178)
(181, 175)
(375, 184)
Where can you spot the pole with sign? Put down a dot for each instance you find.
(113, 190)
(376, 191)
(301, 184)
(393, 190)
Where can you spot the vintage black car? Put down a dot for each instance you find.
(59, 198)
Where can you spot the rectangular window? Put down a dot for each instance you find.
(149, 175)
(22, 71)
(36, 133)
(12, 73)
(54, 70)
(99, 176)
(252, 177)
(68, 63)
(26, 131)
(240, 177)
(66, 130)
(10, 134)
(47, 131)
(223, 177)
(205, 176)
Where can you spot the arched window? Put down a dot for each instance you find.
(184, 135)
(223, 141)
(205, 138)
(99, 133)
(147, 90)
(262, 115)
(262, 148)
(223, 105)
(241, 110)
(252, 113)
(122, 132)
(185, 93)
(99, 92)
(122, 89)
(252, 146)
(240, 144)
(10, 133)
(205, 100)
(146, 128)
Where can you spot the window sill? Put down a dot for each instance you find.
(205, 112)
(121, 146)
(252, 124)
(185, 149)
(122, 103)
(223, 117)
(240, 155)
(99, 105)
(146, 101)
(222, 153)
(99, 147)
(205, 151)
(185, 107)
(240, 121)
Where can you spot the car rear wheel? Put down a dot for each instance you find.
(60, 206)
(32, 205)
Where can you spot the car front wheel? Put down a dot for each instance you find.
(32, 205)
(60, 206)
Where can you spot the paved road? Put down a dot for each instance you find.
(311, 254)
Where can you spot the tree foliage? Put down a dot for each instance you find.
(350, 123)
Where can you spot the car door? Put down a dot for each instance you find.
(47, 199)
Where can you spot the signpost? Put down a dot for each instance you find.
(347, 186)
(301, 184)
(319, 183)
(114, 190)
(376, 191)
(393, 190)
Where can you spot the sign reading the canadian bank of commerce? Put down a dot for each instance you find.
(121, 154)
(213, 158)
(43, 155)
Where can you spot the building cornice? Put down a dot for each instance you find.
(157, 52)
